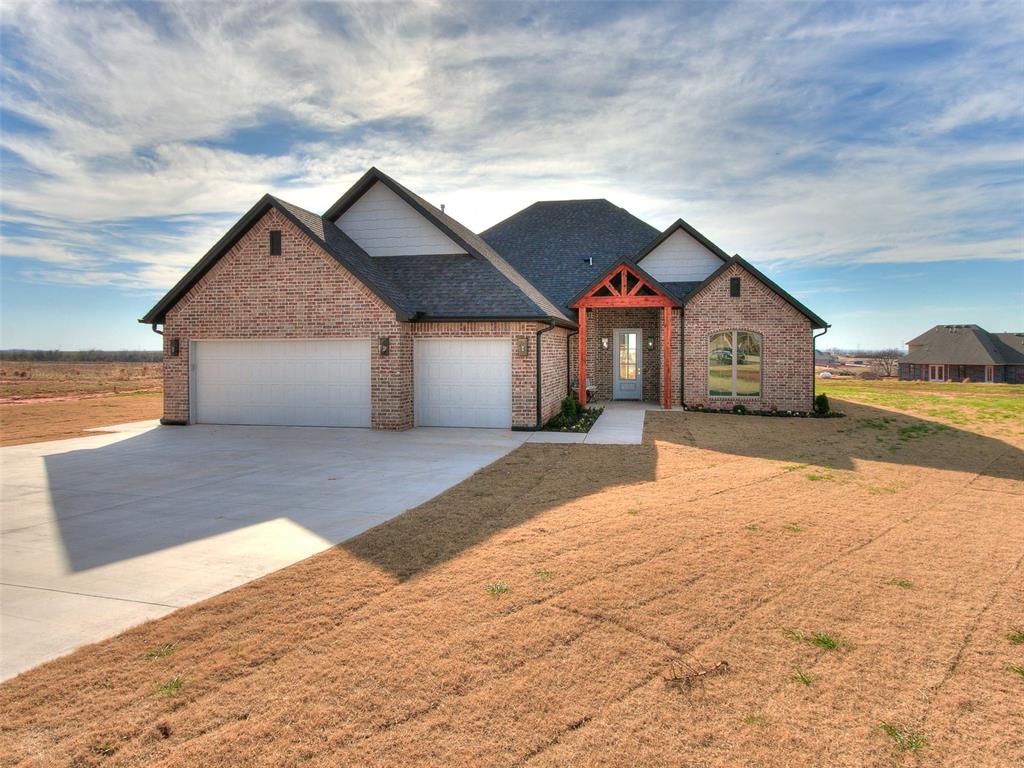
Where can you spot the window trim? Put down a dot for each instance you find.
(760, 370)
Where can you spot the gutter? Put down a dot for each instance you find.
(154, 325)
(814, 376)
(540, 333)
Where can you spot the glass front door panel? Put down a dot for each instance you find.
(627, 357)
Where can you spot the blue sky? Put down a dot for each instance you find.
(869, 157)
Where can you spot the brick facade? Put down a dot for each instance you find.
(786, 356)
(305, 293)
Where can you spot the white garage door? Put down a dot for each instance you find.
(308, 383)
(463, 382)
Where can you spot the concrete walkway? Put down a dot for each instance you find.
(104, 532)
(622, 423)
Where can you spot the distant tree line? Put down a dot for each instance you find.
(81, 356)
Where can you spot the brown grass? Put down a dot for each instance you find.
(32, 421)
(391, 651)
(23, 380)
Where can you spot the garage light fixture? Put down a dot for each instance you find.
(604, 342)
(174, 348)
(384, 346)
(650, 343)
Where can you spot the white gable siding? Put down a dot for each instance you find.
(680, 259)
(385, 225)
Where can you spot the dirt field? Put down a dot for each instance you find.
(853, 588)
(22, 380)
(52, 401)
(33, 421)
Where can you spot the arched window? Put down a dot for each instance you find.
(734, 364)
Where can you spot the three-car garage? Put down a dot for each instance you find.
(457, 382)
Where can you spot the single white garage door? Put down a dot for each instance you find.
(463, 382)
(304, 383)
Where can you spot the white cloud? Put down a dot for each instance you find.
(768, 126)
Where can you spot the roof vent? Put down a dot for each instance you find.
(589, 260)
(442, 207)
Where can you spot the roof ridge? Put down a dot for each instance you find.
(472, 240)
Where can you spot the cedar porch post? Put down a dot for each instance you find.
(581, 346)
(666, 357)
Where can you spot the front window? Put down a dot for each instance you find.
(734, 364)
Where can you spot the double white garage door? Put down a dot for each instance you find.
(326, 383)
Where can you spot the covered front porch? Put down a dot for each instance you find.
(629, 342)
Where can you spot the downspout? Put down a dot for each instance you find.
(540, 333)
(155, 330)
(568, 366)
(814, 377)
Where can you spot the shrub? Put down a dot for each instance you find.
(822, 407)
(570, 410)
(740, 409)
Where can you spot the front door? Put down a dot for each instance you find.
(627, 379)
(936, 373)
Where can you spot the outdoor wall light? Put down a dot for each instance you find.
(522, 347)
(174, 348)
(650, 344)
(604, 342)
(384, 345)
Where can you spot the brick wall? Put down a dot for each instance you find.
(786, 357)
(305, 293)
(554, 381)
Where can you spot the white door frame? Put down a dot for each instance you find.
(990, 374)
(936, 372)
(639, 363)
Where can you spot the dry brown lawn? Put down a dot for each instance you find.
(23, 380)
(32, 421)
(722, 538)
(53, 401)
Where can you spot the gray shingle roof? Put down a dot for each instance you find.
(550, 243)
(457, 286)
(965, 345)
(453, 286)
(461, 234)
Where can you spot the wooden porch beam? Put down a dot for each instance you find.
(581, 345)
(666, 358)
(625, 301)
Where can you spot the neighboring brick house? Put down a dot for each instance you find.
(964, 353)
(386, 312)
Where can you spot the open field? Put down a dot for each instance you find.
(997, 406)
(22, 380)
(860, 578)
(33, 421)
(52, 401)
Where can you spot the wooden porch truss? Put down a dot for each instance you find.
(626, 286)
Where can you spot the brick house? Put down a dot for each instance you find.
(386, 312)
(964, 353)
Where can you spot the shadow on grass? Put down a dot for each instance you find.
(537, 478)
(187, 500)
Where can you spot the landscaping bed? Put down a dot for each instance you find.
(573, 417)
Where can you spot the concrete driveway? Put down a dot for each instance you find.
(103, 532)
